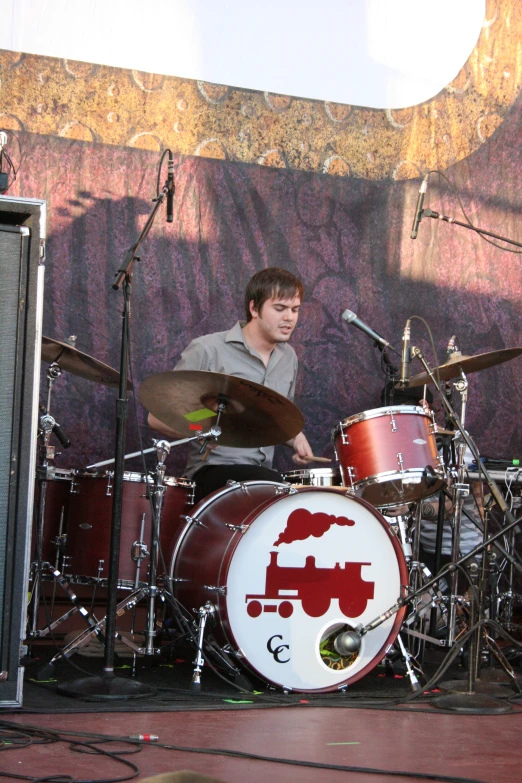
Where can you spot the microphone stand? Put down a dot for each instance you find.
(108, 686)
(468, 701)
(447, 219)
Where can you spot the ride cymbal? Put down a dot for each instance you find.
(458, 362)
(255, 415)
(74, 361)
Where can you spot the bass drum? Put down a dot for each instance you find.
(288, 570)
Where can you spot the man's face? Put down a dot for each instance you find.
(277, 318)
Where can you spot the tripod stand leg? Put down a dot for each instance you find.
(204, 613)
(96, 630)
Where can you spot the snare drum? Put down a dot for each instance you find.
(388, 456)
(90, 515)
(287, 570)
(314, 477)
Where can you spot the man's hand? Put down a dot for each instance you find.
(302, 449)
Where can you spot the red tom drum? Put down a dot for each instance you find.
(287, 571)
(89, 525)
(388, 456)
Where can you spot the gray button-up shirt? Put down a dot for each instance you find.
(227, 352)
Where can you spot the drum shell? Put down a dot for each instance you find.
(373, 447)
(203, 558)
(90, 516)
(213, 538)
(57, 498)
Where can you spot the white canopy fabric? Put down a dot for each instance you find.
(381, 54)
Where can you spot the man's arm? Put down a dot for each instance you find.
(194, 357)
(162, 428)
(301, 448)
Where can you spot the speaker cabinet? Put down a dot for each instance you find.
(22, 255)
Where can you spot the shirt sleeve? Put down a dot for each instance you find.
(194, 357)
(291, 391)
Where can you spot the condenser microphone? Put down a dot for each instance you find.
(418, 211)
(406, 356)
(62, 437)
(347, 643)
(351, 318)
(451, 347)
(170, 190)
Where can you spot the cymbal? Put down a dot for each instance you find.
(74, 361)
(452, 368)
(255, 415)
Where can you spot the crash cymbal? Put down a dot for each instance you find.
(458, 362)
(255, 415)
(74, 361)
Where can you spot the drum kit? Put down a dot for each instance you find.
(275, 579)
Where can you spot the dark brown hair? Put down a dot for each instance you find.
(269, 283)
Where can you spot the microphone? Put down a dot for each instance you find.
(351, 318)
(62, 437)
(418, 211)
(170, 191)
(347, 643)
(451, 347)
(406, 356)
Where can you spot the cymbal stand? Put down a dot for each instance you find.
(460, 491)
(44, 472)
(162, 451)
(420, 582)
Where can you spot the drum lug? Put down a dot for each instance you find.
(240, 484)
(214, 589)
(286, 490)
(393, 422)
(400, 462)
(236, 528)
(227, 649)
(108, 491)
(344, 437)
(351, 475)
(192, 520)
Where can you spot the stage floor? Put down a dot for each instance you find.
(420, 744)
(322, 737)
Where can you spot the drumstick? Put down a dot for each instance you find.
(316, 459)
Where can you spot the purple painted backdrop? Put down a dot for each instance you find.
(347, 238)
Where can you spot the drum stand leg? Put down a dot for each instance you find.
(204, 613)
(96, 629)
(414, 682)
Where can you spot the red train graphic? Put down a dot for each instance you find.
(314, 587)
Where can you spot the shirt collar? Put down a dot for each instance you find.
(235, 335)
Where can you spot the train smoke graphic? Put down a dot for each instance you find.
(302, 524)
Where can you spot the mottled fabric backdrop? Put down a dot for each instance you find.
(347, 238)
